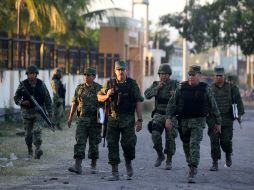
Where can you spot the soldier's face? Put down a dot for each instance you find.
(219, 79)
(164, 77)
(88, 78)
(120, 74)
(194, 79)
(31, 76)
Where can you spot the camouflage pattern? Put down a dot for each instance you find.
(159, 117)
(223, 96)
(58, 101)
(191, 129)
(87, 127)
(122, 125)
(33, 122)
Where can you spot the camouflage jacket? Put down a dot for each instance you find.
(162, 95)
(85, 98)
(19, 95)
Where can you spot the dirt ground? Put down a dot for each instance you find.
(51, 171)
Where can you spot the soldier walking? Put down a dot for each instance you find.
(162, 91)
(32, 120)
(86, 103)
(123, 97)
(191, 104)
(58, 97)
(225, 94)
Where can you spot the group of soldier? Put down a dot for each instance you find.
(183, 108)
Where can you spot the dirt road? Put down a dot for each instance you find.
(51, 171)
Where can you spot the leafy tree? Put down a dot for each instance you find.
(223, 22)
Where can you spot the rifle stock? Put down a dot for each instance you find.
(38, 108)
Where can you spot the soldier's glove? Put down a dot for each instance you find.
(26, 103)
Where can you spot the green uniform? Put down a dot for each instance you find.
(32, 120)
(121, 118)
(88, 128)
(162, 97)
(191, 105)
(58, 100)
(224, 97)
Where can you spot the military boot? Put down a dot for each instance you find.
(76, 168)
(215, 165)
(115, 174)
(228, 159)
(192, 173)
(38, 152)
(160, 159)
(129, 168)
(30, 151)
(169, 163)
(93, 166)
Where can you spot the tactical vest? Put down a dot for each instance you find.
(122, 101)
(192, 102)
(37, 92)
(223, 97)
(163, 96)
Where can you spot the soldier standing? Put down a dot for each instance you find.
(58, 97)
(123, 97)
(162, 91)
(191, 104)
(225, 94)
(32, 120)
(86, 103)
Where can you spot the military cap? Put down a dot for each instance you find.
(165, 69)
(219, 71)
(32, 69)
(90, 71)
(194, 69)
(120, 65)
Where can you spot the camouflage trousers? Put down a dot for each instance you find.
(191, 134)
(58, 113)
(87, 130)
(33, 124)
(170, 135)
(222, 140)
(122, 127)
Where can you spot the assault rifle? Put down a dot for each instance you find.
(38, 107)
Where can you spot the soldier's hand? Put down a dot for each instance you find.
(110, 92)
(26, 103)
(69, 122)
(138, 126)
(160, 85)
(217, 129)
(168, 124)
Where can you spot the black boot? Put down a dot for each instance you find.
(93, 166)
(192, 173)
(160, 159)
(115, 174)
(228, 159)
(38, 152)
(215, 165)
(76, 168)
(129, 168)
(30, 150)
(169, 163)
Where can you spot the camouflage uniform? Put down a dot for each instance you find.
(157, 124)
(191, 105)
(58, 97)
(32, 120)
(87, 127)
(224, 97)
(121, 121)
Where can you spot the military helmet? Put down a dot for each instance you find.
(120, 64)
(194, 69)
(32, 69)
(57, 71)
(165, 69)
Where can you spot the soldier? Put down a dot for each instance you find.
(162, 91)
(225, 94)
(58, 97)
(86, 103)
(191, 104)
(32, 120)
(123, 97)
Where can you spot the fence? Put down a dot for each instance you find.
(17, 52)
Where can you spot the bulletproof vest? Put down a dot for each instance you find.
(193, 101)
(123, 98)
(163, 96)
(37, 92)
(223, 97)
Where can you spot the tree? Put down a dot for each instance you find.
(222, 22)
